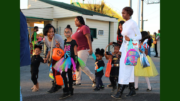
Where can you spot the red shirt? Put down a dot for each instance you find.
(80, 38)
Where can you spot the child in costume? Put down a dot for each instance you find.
(146, 71)
(115, 57)
(99, 54)
(69, 62)
(35, 62)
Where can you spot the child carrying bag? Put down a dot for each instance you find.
(132, 53)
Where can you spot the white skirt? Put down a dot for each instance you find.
(126, 73)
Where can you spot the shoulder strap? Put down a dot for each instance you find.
(51, 48)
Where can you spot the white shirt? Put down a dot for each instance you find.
(131, 30)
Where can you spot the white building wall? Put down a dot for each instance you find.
(113, 33)
(102, 40)
(41, 13)
(62, 23)
(57, 12)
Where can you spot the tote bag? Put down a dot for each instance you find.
(108, 68)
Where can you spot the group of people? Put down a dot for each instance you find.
(79, 45)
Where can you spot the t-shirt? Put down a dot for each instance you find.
(34, 37)
(80, 37)
(69, 48)
(158, 37)
(56, 37)
(100, 63)
(25, 58)
(35, 62)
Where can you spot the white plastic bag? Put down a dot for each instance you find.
(144, 61)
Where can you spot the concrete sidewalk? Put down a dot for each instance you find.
(85, 90)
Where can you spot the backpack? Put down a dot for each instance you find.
(131, 57)
(132, 54)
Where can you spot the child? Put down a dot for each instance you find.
(35, 62)
(70, 51)
(147, 71)
(99, 54)
(115, 56)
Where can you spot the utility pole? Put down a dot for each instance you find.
(142, 15)
(138, 14)
(130, 4)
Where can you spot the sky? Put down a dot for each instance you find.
(151, 12)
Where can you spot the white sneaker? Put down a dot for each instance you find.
(94, 85)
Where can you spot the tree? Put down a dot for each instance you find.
(100, 8)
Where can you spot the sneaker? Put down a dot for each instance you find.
(94, 85)
(75, 84)
(96, 89)
(102, 87)
(110, 85)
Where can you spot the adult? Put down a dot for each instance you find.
(126, 72)
(50, 36)
(83, 39)
(119, 39)
(158, 43)
(155, 45)
(24, 44)
(34, 37)
(150, 41)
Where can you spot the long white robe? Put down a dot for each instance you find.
(126, 73)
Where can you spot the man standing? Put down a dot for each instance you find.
(24, 44)
(158, 43)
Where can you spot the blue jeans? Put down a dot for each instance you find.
(149, 51)
(99, 81)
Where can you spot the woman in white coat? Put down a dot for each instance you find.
(130, 31)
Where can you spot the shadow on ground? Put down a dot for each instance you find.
(93, 97)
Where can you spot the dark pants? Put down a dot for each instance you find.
(113, 80)
(99, 81)
(34, 76)
(55, 72)
(156, 50)
(69, 77)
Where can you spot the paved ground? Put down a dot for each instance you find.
(85, 91)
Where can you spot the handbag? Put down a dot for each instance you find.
(144, 61)
(108, 68)
(59, 80)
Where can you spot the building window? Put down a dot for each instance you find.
(100, 32)
(93, 32)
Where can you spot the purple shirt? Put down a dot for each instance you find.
(80, 38)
